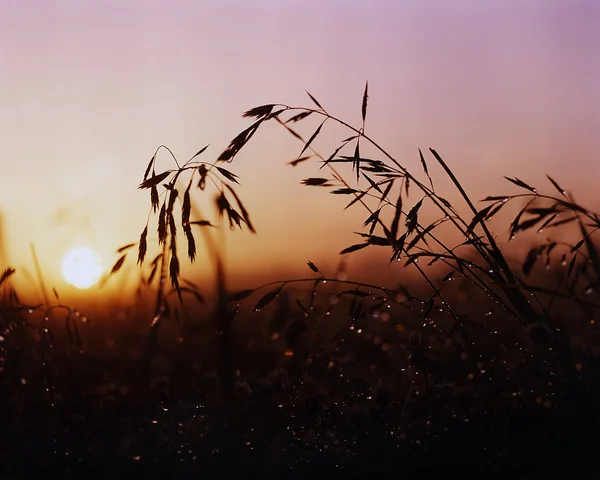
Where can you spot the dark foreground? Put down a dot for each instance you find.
(88, 416)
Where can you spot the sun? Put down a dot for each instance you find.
(82, 267)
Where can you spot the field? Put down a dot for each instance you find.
(472, 362)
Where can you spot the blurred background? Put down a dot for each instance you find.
(88, 90)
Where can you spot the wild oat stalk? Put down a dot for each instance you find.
(166, 263)
(406, 236)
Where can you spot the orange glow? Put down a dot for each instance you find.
(82, 268)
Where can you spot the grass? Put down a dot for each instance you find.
(484, 365)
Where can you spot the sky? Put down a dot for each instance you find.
(89, 90)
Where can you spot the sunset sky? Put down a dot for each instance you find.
(89, 89)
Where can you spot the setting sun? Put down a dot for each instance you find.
(82, 267)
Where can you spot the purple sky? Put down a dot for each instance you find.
(88, 90)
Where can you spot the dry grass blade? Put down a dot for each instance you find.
(421, 236)
(268, 298)
(380, 241)
(293, 163)
(290, 130)
(147, 172)
(364, 103)
(245, 214)
(187, 230)
(200, 152)
(372, 183)
(125, 247)
(412, 218)
(372, 220)
(152, 273)
(425, 169)
(386, 192)
(344, 191)
(6, 274)
(154, 201)
(202, 223)
(143, 246)
(174, 274)
(398, 247)
(299, 116)
(238, 142)
(162, 224)
(312, 137)
(259, 112)
(481, 215)
(154, 180)
(316, 182)
(236, 297)
(186, 206)
(559, 189)
(228, 175)
(356, 199)
(356, 159)
(118, 264)
(531, 258)
(313, 267)
(315, 101)
(522, 184)
(396, 219)
(332, 156)
(354, 248)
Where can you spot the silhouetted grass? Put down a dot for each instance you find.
(485, 367)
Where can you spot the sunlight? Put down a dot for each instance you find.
(82, 267)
